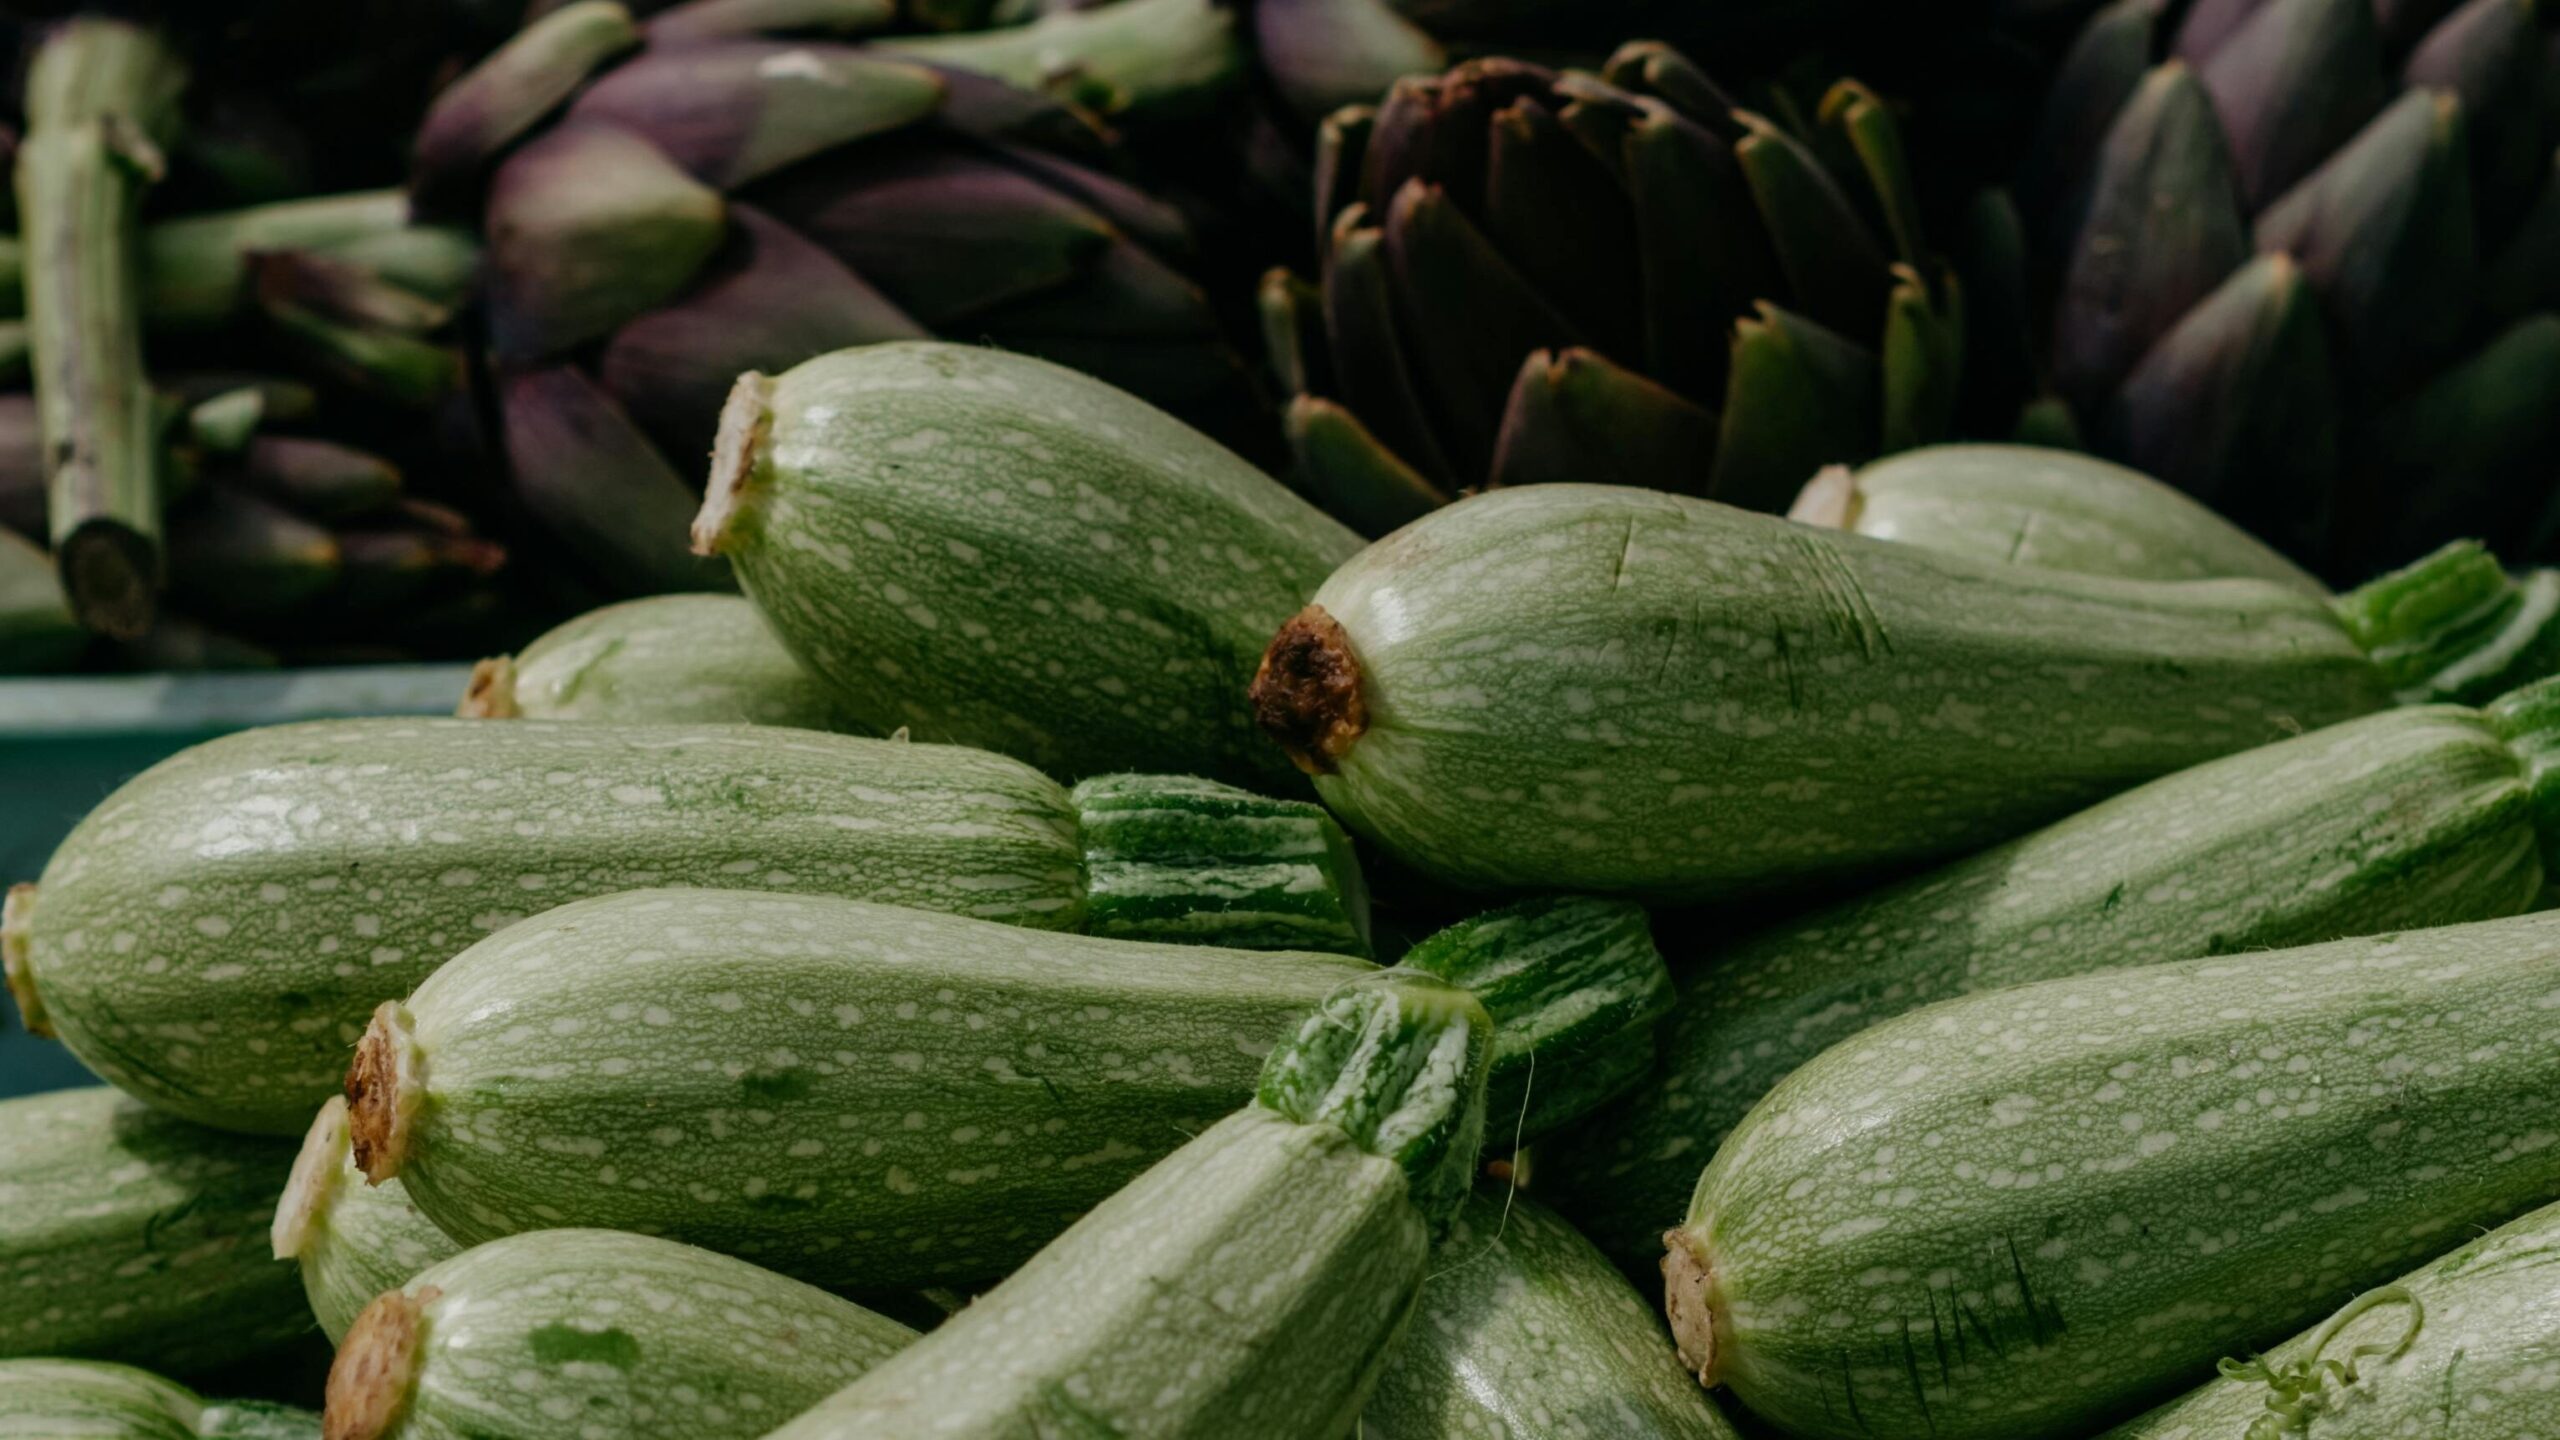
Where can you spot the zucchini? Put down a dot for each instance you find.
(1524, 1331)
(854, 1094)
(48, 1399)
(2410, 818)
(1592, 688)
(596, 1332)
(991, 550)
(2029, 505)
(2028, 1212)
(1248, 1284)
(350, 1240)
(213, 936)
(2461, 1346)
(128, 1235)
(669, 659)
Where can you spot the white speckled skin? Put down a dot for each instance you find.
(568, 1334)
(2057, 510)
(2394, 821)
(90, 1400)
(858, 1095)
(672, 659)
(351, 1240)
(1525, 1332)
(2028, 1212)
(2483, 1363)
(1597, 688)
(1248, 1285)
(997, 551)
(214, 935)
(128, 1235)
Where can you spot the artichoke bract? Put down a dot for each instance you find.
(1588, 687)
(2305, 261)
(1533, 275)
(966, 543)
(672, 202)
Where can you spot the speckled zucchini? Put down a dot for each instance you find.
(2459, 1349)
(351, 1240)
(2427, 816)
(128, 1235)
(668, 659)
(2030, 1211)
(1250, 1283)
(1525, 1332)
(2055, 509)
(61, 1399)
(992, 550)
(1602, 689)
(597, 1332)
(214, 935)
(848, 1093)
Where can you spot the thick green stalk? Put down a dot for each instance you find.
(101, 101)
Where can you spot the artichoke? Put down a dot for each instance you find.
(2302, 258)
(1531, 275)
(669, 202)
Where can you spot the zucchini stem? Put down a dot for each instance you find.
(1830, 500)
(308, 1188)
(16, 960)
(383, 1090)
(491, 693)
(1689, 1299)
(737, 448)
(376, 1368)
(1307, 694)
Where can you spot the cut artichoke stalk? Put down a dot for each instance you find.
(672, 201)
(1737, 298)
(2304, 263)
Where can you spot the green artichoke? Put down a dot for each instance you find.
(1533, 275)
(667, 203)
(2302, 259)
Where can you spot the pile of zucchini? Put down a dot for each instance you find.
(2102, 987)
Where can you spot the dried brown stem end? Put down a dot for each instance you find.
(1830, 499)
(736, 448)
(1307, 693)
(17, 917)
(381, 1095)
(376, 1368)
(491, 695)
(1688, 1298)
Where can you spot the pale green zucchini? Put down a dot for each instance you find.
(1593, 688)
(1250, 1284)
(47, 1399)
(597, 1332)
(992, 550)
(2030, 1211)
(351, 1240)
(668, 659)
(2461, 1348)
(854, 1094)
(2029, 505)
(213, 936)
(128, 1235)
(1525, 1332)
(2410, 818)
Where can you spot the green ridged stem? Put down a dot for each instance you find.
(1305, 1230)
(350, 1240)
(2458, 1347)
(1182, 860)
(609, 1332)
(135, 1237)
(2455, 626)
(2029, 505)
(2207, 1154)
(59, 1399)
(384, 847)
(849, 1093)
(1574, 986)
(101, 99)
(2432, 815)
(1525, 1329)
(682, 659)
